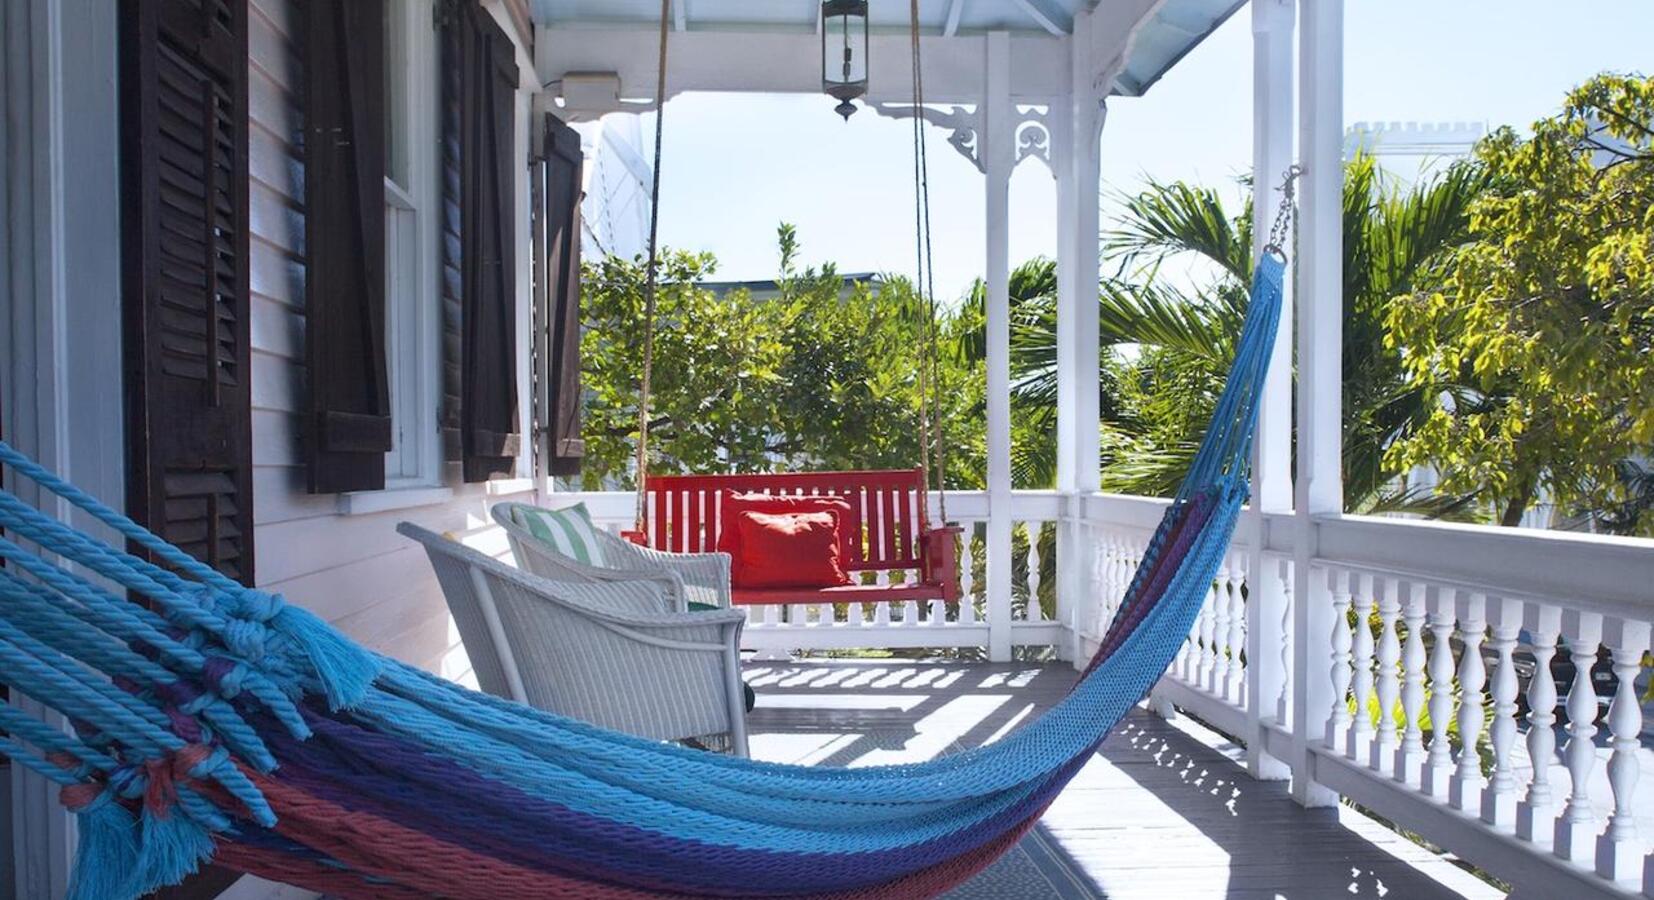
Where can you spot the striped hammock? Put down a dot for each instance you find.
(217, 723)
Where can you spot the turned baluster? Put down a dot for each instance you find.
(1035, 611)
(1235, 685)
(1576, 829)
(967, 580)
(1361, 726)
(1283, 703)
(1218, 602)
(1619, 851)
(1389, 685)
(1338, 722)
(1465, 790)
(1536, 813)
(1410, 755)
(1499, 800)
(1438, 766)
(1205, 641)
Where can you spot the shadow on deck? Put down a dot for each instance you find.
(1162, 811)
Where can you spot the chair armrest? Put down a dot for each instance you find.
(942, 559)
(705, 575)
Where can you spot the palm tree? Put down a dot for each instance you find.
(1179, 340)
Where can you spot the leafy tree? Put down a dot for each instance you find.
(1181, 339)
(820, 375)
(1534, 346)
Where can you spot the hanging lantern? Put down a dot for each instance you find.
(844, 52)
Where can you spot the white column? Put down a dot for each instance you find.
(1077, 123)
(997, 143)
(1319, 488)
(60, 321)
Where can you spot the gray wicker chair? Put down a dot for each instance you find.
(614, 653)
(698, 577)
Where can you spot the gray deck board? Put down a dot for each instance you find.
(1162, 811)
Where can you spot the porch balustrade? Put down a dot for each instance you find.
(1460, 666)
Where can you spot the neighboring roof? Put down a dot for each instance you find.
(1177, 27)
(768, 286)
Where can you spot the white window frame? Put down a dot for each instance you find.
(413, 327)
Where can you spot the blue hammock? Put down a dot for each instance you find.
(217, 722)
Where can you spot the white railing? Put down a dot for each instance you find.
(1398, 608)
(1407, 617)
(986, 606)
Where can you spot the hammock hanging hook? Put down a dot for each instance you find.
(1283, 213)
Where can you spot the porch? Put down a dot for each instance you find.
(1165, 809)
(1491, 614)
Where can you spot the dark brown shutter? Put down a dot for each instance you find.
(185, 300)
(562, 449)
(488, 370)
(348, 428)
(452, 251)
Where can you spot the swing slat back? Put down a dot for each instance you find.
(685, 511)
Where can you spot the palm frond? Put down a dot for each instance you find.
(1166, 219)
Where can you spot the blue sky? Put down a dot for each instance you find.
(737, 164)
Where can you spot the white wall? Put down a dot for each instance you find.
(351, 567)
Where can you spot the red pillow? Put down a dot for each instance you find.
(780, 550)
(733, 504)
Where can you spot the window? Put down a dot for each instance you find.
(412, 201)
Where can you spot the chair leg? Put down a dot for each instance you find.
(737, 702)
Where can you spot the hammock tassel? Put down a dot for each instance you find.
(343, 670)
(108, 846)
(172, 848)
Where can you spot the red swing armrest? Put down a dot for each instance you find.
(940, 548)
(636, 537)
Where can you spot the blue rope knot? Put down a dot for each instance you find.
(225, 676)
(245, 638)
(252, 605)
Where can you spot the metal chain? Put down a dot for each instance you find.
(1283, 213)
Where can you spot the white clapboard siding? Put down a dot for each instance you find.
(354, 570)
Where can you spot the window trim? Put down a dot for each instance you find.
(414, 46)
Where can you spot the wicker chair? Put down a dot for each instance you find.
(698, 577)
(616, 653)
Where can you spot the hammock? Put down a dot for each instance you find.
(214, 722)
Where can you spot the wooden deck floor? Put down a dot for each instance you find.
(1163, 811)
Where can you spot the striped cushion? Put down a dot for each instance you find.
(568, 531)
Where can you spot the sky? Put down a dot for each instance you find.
(736, 165)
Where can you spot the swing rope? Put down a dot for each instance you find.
(930, 391)
(652, 280)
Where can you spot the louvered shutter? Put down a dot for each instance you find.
(488, 387)
(348, 428)
(558, 419)
(452, 250)
(184, 158)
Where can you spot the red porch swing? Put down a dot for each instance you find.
(883, 521)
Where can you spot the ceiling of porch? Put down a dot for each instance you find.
(1176, 28)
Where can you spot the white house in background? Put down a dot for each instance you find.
(615, 212)
(1409, 150)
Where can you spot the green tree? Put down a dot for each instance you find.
(1180, 335)
(823, 374)
(1537, 337)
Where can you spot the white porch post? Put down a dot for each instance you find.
(1077, 124)
(1272, 23)
(997, 141)
(1320, 488)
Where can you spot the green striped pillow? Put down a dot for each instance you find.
(569, 531)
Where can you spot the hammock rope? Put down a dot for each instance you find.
(219, 723)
